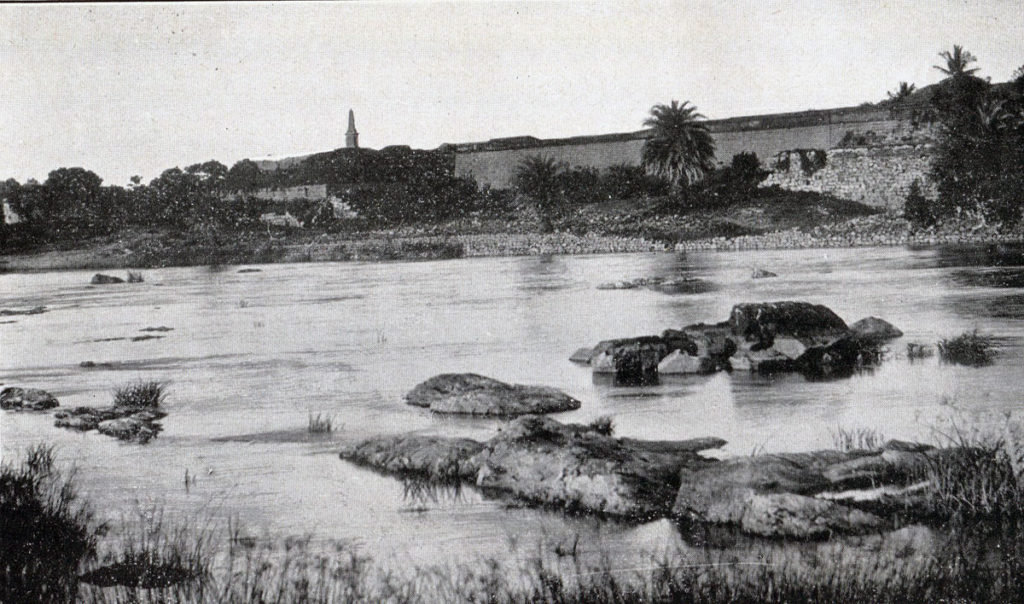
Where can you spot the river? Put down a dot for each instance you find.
(251, 355)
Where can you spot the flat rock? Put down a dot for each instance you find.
(27, 399)
(582, 355)
(678, 362)
(433, 456)
(472, 394)
(101, 279)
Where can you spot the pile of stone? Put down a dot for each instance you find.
(125, 422)
(13, 398)
(761, 337)
(581, 468)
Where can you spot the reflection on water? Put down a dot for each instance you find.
(251, 356)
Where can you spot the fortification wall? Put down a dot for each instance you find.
(494, 163)
(877, 176)
(497, 167)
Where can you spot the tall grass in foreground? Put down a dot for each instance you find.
(46, 533)
(148, 395)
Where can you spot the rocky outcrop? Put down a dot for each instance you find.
(472, 394)
(27, 399)
(541, 461)
(678, 285)
(873, 329)
(127, 423)
(771, 336)
(101, 279)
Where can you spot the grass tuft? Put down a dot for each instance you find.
(864, 439)
(603, 425)
(969, 348)
(134, 277)
(320, 424)
(148, 394)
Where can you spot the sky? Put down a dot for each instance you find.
(137, 88)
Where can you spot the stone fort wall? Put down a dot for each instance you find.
(892, 151)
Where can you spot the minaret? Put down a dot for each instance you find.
(352, 136)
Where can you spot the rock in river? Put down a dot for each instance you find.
(101, 279)
(873, 329)
(798, 495)
(28, 399)
(128, 423)
(472, 394)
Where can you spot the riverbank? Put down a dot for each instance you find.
(613, 228)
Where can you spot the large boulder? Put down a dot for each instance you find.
(715, 341)
(873, 329)
(630, 359)
(101, 279)
(472, 394)
(783, 336)
(576, 467)
(28, 399)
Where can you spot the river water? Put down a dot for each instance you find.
(251, 355)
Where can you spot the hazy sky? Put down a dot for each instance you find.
(135, 89)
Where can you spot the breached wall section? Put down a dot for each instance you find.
(877, 176)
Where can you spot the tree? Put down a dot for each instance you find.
(537, 177)
(901, 93)
(957, 62)
(680, 148)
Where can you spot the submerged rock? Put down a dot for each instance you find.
(101, 279)
(759, 273)
(472, 394)
(27, 399)
(35, 310)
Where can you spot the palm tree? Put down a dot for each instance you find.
(537, 177)
(957, 62)
(902, 93)
(680, 148)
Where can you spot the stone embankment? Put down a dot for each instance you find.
(864, 231)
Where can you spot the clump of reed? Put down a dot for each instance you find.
(135, 277)
(604, 425)
(969, 348)
(857, 439)
(320, 424)
(46, 532)
(144, 394)
(917, 351)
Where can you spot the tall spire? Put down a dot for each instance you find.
(352, 136)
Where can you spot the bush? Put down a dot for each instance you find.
(603, 425)
(149, 395)
(917, 209)
(968, 348)
(46, 534)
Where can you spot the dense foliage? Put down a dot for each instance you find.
(979, 161)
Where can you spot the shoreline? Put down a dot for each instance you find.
(871, 231)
